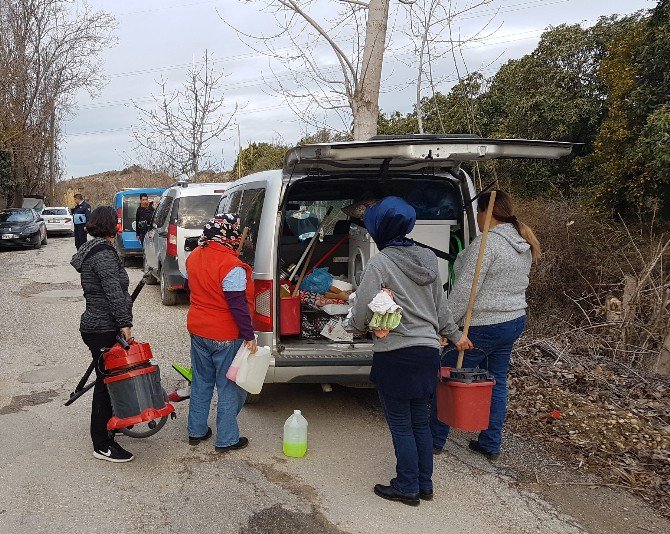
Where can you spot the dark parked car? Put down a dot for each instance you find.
(22, 227)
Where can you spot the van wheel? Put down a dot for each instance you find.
(168, 298)
(252, 399)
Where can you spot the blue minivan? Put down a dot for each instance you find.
(126, 203)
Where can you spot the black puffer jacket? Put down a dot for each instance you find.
(105, 284)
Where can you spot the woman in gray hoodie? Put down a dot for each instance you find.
(499, 313)
(406, 361)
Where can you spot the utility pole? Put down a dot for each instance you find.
(52, 154)
(239, 153)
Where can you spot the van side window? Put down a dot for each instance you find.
(250, 212)
(162, 211)
(230, 202)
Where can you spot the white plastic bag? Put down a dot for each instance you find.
(252, 370)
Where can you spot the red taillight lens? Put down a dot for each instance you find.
(67, 219)
(262, 316)
(119, 220)
(171, 248)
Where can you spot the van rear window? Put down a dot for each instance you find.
(130, 205)
(194, 212)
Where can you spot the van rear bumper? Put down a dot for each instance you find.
(321, 374)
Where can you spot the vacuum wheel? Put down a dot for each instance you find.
(145, 429)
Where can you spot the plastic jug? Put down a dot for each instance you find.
(252, 370)
(295, 435)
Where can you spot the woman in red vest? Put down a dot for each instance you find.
(219, 321)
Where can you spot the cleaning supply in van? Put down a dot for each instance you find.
(386, 313)
(295, 435)
(318, 281)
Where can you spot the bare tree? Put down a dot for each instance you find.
(177, 131)
(356, 39)
(430, 28)
(48, 51)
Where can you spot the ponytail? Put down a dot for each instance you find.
(503, 211)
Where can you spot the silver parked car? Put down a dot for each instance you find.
(182, 211)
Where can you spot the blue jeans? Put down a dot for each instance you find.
(210, 361)
(408, 423)
(494, 343)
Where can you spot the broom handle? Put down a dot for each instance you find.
(475, 279)
(243, 238)
(304, 270)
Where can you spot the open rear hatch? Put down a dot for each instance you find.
(415, 153)
(420, 169)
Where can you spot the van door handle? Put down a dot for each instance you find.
(162, 234)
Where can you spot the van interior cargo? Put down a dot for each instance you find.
(343, 246)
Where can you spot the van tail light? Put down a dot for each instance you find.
(262, 316)
(119, 221)
(171, 249)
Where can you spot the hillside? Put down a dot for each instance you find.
(99, 188)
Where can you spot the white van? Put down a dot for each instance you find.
(176, 226)
(424, 170)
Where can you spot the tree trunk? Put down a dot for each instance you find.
(18, 172)
(366, 97)
(662, 366)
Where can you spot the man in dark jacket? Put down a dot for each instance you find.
(143, 216)
(81, 213)
(108, 313)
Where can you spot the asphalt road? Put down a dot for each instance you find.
(50, 482)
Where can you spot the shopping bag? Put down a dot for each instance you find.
(242, 353)
(252, 370)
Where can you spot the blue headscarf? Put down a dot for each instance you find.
(389, 221)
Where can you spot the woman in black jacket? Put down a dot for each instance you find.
(108, 313)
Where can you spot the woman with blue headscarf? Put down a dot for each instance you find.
(406, 361)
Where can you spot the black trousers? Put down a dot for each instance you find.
(80, 235)
(101, 408)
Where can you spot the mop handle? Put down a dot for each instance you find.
(243, 238)
(475, 279)
(309, 246)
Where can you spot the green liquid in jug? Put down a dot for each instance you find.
(295, 450)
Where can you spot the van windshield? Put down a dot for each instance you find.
(194, 212)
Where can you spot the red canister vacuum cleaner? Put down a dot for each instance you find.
(134, 386)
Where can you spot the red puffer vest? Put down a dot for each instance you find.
(209, 316)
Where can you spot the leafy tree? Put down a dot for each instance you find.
(324, 135)
(259, 157)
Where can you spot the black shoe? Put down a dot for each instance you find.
(113, 453)
(391, 494)
(196, 441)
(426, 495)
(476, 447)
(437, 450)
(242, 442)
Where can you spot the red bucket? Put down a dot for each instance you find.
(289, 315)
(463, 404)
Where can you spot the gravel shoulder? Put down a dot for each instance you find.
(49, 481)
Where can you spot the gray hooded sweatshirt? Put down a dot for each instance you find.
(412, 275)
(501, 294)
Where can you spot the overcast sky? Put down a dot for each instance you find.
(162, 37)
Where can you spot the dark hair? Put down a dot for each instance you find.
(102, 222)
(503, 211)
(143, 195)
(78, 195)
